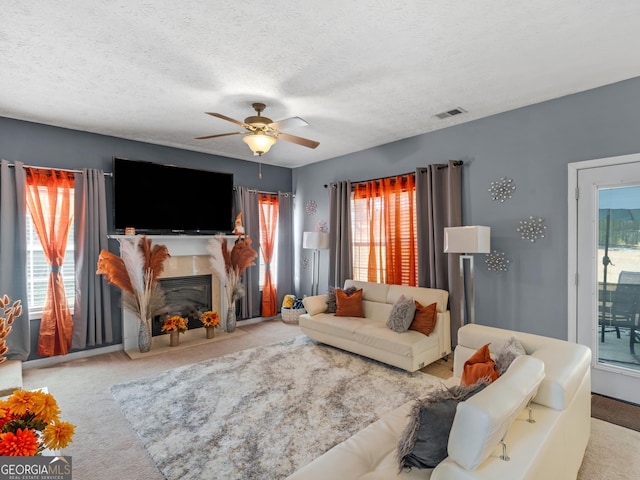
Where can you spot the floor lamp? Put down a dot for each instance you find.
(467, 241)
(315, 241)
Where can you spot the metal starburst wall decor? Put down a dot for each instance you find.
(502, 189)
(311, 207)
(531, 229)
(497, 262)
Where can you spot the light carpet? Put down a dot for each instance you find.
(263, 412)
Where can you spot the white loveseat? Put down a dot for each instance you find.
(555, 373)
(370, 337)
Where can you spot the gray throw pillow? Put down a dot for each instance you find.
(507, 354)
(423, 443)
(401, 314)
(331, 300)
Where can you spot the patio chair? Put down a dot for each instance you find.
(625, 307)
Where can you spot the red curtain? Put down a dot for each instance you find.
(386, 208)
(49, 199)
(268, 223)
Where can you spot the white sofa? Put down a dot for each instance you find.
(555, 373)
(370, 337)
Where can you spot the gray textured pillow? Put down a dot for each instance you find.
(401, 314)
(423, 443)
(507, 354)
(331, 301)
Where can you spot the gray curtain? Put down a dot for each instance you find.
(439, 205)
(284, 281)
(340, 259)
(92, 323)
(246, 201)
(13, 254)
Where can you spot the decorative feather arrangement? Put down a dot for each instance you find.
(8, 315)
(242, 256)
(154, 257)
(113, 269)
(134, 263)
(229, 266)
(136, 274)
(217, 260)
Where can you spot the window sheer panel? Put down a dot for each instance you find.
(384, 231)
(38, 269)
(50, 199)
(268, 207)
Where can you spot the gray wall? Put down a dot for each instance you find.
(531, 145)
(46, 146)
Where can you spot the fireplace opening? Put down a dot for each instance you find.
(187, 297)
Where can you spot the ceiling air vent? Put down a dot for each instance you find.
(450, 113)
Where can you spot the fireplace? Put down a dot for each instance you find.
(188, 297)
(189, 257)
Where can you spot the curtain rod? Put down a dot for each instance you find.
(106, 174)
(253, 190)
(456, 163)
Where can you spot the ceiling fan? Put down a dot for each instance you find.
(262, 133)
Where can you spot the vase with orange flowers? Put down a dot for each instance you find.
(210, 321)
(136, 274)
(30, 423)
(228, 266)
(174, 326)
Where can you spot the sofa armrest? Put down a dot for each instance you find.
(482, 421)
(315, 304)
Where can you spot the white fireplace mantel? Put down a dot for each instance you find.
(180, 245)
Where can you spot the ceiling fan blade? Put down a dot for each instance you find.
(288, 123)
(228, 119)
(220, 135)
(305, 142)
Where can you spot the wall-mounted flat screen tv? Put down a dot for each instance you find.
(164, 199)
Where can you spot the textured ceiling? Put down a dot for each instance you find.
(361, 73)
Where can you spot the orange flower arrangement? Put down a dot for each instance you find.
(30, 423)
(175, 323)
(210, 319)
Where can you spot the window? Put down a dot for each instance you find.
(38, 269)
(383, 223)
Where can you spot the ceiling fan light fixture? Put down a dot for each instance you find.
(259, 143)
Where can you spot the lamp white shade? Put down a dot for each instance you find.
(315, 240)
(473, 239)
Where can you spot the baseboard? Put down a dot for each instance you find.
(49, 361)
(251, 321)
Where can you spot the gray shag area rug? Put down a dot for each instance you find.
(261, 413)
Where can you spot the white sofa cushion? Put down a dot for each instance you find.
(316, 304)
(372, 292)
(426, 296)
(482, 421)
(407, 344)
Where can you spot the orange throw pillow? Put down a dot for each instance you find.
(479, 366)
(424, 320)
(349, 305)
